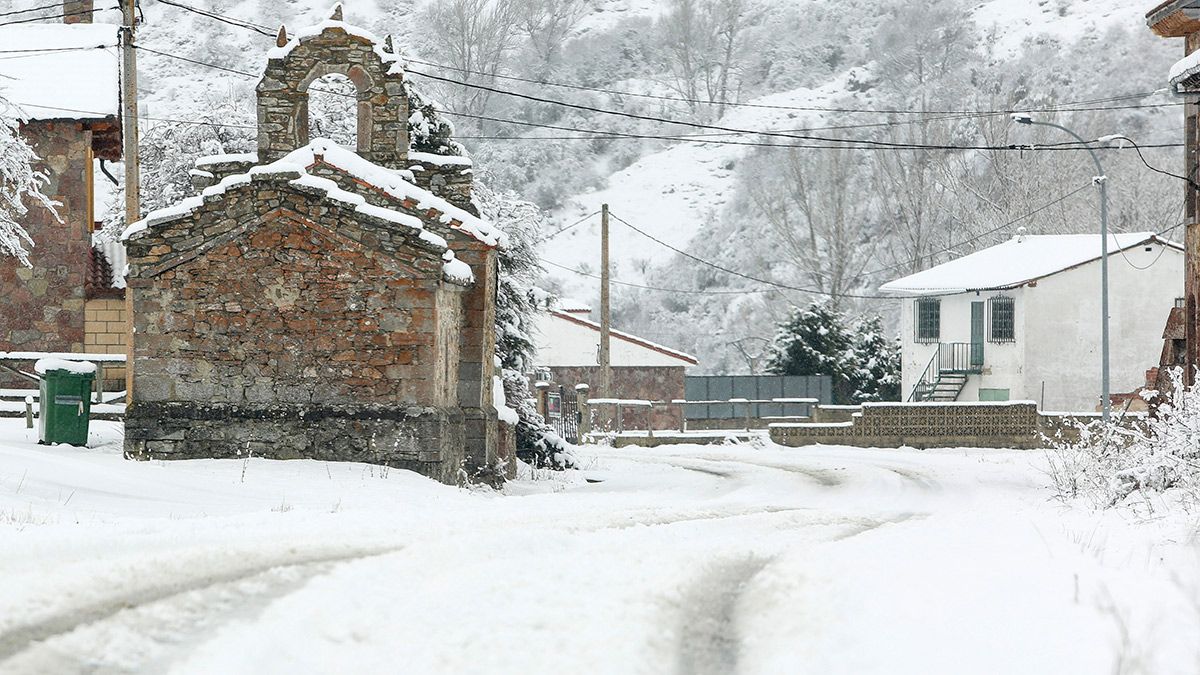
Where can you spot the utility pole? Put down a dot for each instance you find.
(605, 315)
(133, 179)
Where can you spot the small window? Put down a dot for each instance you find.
(1002, 320)
(929, 320)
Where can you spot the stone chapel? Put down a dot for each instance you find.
(316, 301)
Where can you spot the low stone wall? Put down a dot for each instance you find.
(931, 425)
(427, 440)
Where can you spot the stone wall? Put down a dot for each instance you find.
(477, 336)
(42, 309)
(274, 314)
(382, 102)
(450, 178)
(661, 383)
(1016, 425)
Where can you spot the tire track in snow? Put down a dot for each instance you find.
(709, 640)
(21, 639)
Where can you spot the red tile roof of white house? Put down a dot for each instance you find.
(60, 71)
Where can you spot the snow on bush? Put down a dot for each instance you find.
(1109, 463)
(819, 340)
(18, 180)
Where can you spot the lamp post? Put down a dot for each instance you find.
(1102, 181)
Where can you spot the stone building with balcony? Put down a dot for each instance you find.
(1021, 320)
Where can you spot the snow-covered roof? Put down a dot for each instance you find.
(71, 71)
(295, 173)
(627, 337)
(1019, 260)
(572, 306)
(393, 183)
(1184, 69)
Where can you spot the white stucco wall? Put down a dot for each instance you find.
(1058, 331)
(562, 342)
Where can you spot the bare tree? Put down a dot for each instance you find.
(474, 38)
(547, 24)
(817, 204)
(704, 41)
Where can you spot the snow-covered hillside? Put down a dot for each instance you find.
(692, 195)
(675, 191)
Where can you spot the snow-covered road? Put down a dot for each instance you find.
(751, 559)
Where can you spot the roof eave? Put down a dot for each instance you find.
(1175, 18)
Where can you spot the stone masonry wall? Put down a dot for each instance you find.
(382, 103)
(661, 383)
(275, 334)
(477, 336)
(42, 309)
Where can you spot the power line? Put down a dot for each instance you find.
(220, 17)
(743, 275)
(56, 5)
(194, 61)
(689, 138)
(61, 15)
(655, 288)
(715, 127)
(974, 239)
(578, 87)
(568, 227)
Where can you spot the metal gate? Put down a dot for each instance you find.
(563, 410)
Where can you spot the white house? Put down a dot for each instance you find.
(567, 352)
(1021, 320)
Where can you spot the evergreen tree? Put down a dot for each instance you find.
(818, 340)
(516, 311)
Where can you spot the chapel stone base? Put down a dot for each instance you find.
(426, 440)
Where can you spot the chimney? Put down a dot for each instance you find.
(78, 11)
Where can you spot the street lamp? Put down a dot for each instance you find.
(1102, 181)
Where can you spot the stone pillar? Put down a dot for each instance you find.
(77, 11)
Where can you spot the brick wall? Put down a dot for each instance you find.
(105, 332)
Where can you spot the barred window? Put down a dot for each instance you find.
(929, 320)
(1002, 323)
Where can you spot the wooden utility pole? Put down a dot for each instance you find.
(133, 178)
(605, 316)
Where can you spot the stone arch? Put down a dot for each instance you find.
(382, 105)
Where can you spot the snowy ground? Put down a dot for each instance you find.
(748, 558)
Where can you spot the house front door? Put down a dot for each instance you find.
(977, 309)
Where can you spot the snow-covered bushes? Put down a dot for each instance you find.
(18, 180)
(516, 308)
(819, 340)
(1109, 463)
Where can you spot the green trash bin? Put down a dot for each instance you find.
(65, 401)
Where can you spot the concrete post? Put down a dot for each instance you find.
(650, 420)
(585, 413)
(28, 412)
(620, 419)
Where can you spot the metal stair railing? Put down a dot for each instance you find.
(951, 358)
